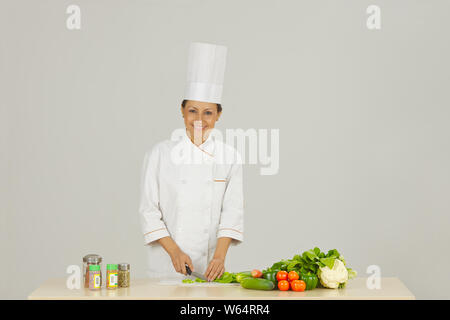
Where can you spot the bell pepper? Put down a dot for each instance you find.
(271, 276)
(310, 279)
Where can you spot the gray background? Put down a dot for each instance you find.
(363, 118)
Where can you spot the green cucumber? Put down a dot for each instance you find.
(257, 284)
(242, 275)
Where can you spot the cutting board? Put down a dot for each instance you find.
(196, 284)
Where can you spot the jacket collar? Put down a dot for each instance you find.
(207, 146)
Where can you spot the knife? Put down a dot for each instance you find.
(195, 274)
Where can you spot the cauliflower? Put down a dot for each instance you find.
(331, 278)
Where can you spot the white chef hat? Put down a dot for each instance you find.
(205, 73)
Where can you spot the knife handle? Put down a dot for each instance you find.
(188, 270)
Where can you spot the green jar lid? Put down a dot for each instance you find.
(111, 267)
(94, 267)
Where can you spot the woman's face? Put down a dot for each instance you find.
(199, 119)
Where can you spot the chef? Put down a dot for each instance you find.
(191, 205)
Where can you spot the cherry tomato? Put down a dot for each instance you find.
(282, 275)
(283, 285)
(298, 285)
(293, 275)
(256, 273)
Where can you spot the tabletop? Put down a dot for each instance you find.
(151, 289)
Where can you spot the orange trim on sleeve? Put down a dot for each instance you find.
(154, 231)
(231, 229)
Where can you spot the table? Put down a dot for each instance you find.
(150, 289)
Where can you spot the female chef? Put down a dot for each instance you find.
(191, 210)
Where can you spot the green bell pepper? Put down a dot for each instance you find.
(310, 279)
(272, 276)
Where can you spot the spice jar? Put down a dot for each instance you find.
(95, 277)
(111, 276)
(88, 260)
(124, 275)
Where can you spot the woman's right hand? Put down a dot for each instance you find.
(179, 258)
(179, 261)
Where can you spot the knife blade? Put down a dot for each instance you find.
(195, 274)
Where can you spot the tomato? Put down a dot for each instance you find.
(293, 276)
(283, 285)
(256, 273)
(298, 285)
(282, 275)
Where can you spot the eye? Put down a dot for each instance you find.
(208, 113)
(192, 110)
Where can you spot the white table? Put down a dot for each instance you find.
(148, 289)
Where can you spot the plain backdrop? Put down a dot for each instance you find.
(363, 118)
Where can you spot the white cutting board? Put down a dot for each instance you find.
(195, 284)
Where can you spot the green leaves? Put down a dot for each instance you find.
(309, 262)
(311, 255)
(351, 273)
(329, 262)
(316, 251)
(227, 277)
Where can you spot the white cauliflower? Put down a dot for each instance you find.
(331, 278)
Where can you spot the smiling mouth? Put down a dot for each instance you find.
(199, 127)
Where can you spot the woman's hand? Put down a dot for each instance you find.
(179, 258)
(179, 261)
(215, 269)
(217, 265)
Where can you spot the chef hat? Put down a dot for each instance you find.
(205, 73)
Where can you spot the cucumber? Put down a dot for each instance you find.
(257, 284)
(242, 275)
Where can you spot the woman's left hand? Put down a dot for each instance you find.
(215, 269)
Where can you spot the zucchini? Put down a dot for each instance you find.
(257, 284)
(242, 275)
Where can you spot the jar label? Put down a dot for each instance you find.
(113, 279)
(97, 280)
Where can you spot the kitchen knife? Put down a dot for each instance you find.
(195, 274)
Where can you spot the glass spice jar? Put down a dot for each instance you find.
(124, 275)
(88, 260)
(95, 277)
(111, 276)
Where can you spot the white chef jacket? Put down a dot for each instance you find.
(195, 202)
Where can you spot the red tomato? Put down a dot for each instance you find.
(256, 273)
(282, 275)
(283, 285)
(298, 285)
(293, 276)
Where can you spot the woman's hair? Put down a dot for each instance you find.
(219, 106)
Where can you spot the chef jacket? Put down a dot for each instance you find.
(193, 194)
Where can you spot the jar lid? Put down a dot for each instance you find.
(124, 266)
(94, 267)
(111, 267)
(92, 258)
